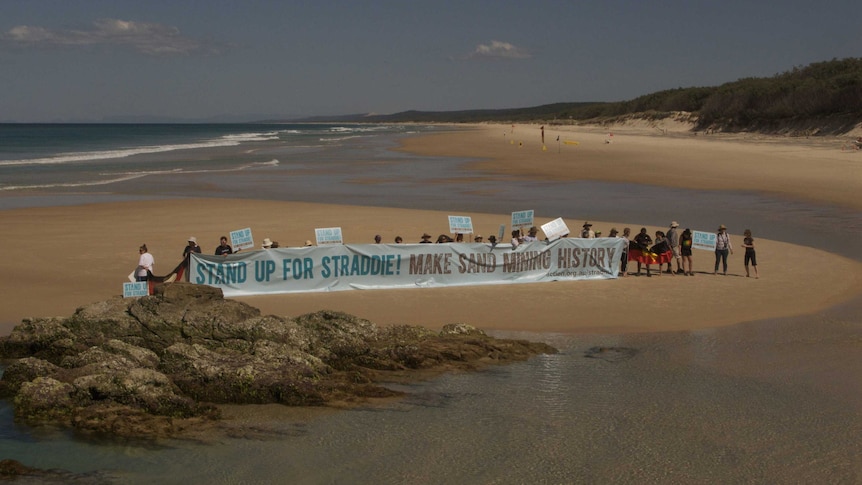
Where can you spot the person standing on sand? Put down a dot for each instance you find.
(223, 248)
(685, 244)
(643, 242)
(145, 264)
(750, 256)
(191, 247)
(722, 247)
(624, 259)
(673, 242)
(516, 239)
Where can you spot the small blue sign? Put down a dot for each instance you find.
(133, 290)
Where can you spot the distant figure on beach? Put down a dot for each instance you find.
(624, 259)
(587, 231)
(377, 239)
(398, 240)
(516, 239)
(685, 243)
(145, 264)
(223, 248)
(643, 241)
(191, 247)
(722, 247)
(673, 242)
(750, 255)
(426, 239)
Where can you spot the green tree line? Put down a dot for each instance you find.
(821, 94)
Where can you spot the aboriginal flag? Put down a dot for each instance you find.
(175, 275)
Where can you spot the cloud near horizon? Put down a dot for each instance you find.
(146, 38)
(499, 50)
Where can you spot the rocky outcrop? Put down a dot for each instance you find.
(159, 365)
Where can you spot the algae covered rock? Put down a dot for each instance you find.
(159, 365)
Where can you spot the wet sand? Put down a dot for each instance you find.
(67, 256)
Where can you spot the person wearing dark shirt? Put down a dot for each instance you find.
(223, 248)
(192, 247)
(643, 241)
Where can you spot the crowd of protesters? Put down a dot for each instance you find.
(665, 248)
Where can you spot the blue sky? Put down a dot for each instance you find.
(92, 60)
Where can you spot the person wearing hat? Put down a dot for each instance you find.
(531, 235)
(191, 247)
(673, 242)
(308, 243)
(722, 247)
(477, 238)
(267, 243)
(426, 239)
(587, 232)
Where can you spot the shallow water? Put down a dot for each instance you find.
(766, 402)
(738, 404)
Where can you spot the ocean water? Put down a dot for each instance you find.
(775, 401)
(73, 156)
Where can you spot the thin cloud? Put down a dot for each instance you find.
(499, 50)
(146, 38)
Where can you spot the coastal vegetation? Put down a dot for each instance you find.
(823, 98)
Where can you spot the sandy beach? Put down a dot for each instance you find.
(67, 256)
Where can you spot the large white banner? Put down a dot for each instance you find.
(373, 266)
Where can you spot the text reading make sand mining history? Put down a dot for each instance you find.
(369, 266)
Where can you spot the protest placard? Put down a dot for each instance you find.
(328, 235)
(241, 239)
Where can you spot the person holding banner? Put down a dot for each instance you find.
(516, 238)
(685, 243)
(145, 264)
(643, 242)
(722, 247)
(191, 247)
(531, 235)
(223, 248)
(624, 258)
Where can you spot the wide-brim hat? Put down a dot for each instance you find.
(193, 239)
(267, 242)
(308, 243)
(425, 235)
(533, 229)
(722, 227)
(587, 224)
(674, 224)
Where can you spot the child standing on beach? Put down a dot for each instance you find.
(750, 255)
